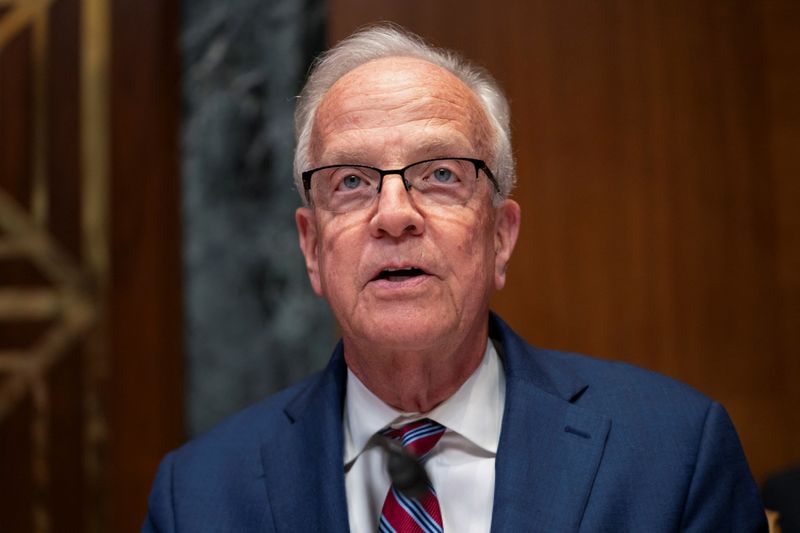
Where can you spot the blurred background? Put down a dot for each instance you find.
(150, 281)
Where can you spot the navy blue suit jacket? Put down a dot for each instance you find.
(585, 445)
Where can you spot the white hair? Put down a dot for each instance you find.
(390, 40)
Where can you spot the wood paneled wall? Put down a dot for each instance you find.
(91, 389)
(657, 148)
(46, 302)
(145, 310)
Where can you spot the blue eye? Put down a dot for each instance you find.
(351, 182)
(443, 175)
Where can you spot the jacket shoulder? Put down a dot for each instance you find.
(215, 482)
(245, 430)
(671, 456)
(613, 382)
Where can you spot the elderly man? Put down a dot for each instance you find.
(404, 162)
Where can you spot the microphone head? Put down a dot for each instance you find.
(405, 470)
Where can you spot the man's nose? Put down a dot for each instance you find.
(396, 214)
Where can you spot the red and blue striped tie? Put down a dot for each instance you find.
(401, 514)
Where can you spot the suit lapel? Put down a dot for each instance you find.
(303, 468)
(550, 448)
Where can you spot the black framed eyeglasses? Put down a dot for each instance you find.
(432, 182)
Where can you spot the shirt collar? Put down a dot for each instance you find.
(474, 411)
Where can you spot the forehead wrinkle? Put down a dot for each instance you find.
(358, 145)
(350, 148)
(393, 92)
(352, 115)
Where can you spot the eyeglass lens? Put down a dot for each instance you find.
(352, 187)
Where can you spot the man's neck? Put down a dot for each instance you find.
(415, 381)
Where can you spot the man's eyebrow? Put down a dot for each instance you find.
(346, 156)
(426, 149)
(441, 148)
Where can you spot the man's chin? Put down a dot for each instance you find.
(403, 330)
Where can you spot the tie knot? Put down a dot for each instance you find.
(417, 437)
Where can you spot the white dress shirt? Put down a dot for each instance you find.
(461, 465)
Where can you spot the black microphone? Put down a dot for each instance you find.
(405, 470)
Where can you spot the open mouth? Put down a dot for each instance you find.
(399, 274)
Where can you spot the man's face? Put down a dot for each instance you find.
(396, 274)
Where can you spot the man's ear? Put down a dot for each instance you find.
(309, 241)
(507, 220)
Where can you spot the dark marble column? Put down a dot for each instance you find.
(253, 325)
